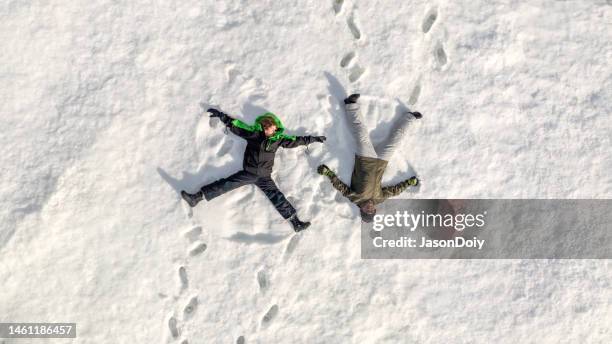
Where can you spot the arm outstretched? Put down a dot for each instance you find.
(233, 124)
(296, 141)
(398, 188)
(335, 181)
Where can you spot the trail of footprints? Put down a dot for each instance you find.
(263, 281)
(428, 22)
(191, 306)
(356, 71)
(349, 60)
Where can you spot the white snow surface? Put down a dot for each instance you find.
(102, 126)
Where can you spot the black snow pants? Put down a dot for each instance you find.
(241, 178)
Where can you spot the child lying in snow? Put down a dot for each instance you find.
(366, 190)
(263, 139)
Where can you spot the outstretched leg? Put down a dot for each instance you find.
(362, 136)
(285, 209)
(385, 149)
(282, 205)
(230, 183)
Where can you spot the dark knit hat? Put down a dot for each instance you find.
(367, 218)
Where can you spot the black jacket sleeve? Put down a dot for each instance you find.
(299, 141)
(227, 120)
(245, 134)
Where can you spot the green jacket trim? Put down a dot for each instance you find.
(257, 127)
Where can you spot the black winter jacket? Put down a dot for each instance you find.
(260, 150)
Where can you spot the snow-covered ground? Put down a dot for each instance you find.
(102, 126)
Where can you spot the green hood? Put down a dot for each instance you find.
(257, 126)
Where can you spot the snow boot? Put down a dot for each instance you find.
(352, 99)
(298, 225)
(417, 115)
(192, 199)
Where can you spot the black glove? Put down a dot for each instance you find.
(215, 112)
(319, 139)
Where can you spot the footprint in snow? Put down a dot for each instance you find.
(193, 234)
(355, 73)
(350, 21)
(263, 281)
(430, 19)
(197, 249)
(440, 54)
(347, 59)
(414, 96)
(188, 210)
(269, 316)
(293, 242)
(240, 340)
(231, 73)
(183, 278)
(173, 328)
(190, 308)
(338, 6)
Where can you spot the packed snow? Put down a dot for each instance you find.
(103, 122)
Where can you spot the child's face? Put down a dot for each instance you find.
(369, 207)
(270, 130)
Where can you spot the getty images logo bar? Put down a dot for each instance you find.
(489, 229)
